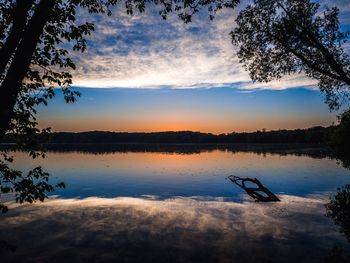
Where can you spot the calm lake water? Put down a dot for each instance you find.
(175, 204)
(180, 172)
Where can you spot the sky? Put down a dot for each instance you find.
(142, 73)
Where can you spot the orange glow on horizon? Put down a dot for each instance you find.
(211, 111)
(215, 127)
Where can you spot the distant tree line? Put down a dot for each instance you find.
(314, 136)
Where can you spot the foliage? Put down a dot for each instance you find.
(339, 140)
(281, 37)
(26, 188)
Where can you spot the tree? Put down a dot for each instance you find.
(339, 139)
(33, 62)
(281, 37)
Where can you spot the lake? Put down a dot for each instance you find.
(174, 203)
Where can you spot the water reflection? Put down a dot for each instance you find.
(187, 148)
(184, 217)
(339, 210)
(172, 230)
(282, 149)
(170, 174)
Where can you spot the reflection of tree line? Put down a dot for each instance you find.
(338, 209)
(189, 148)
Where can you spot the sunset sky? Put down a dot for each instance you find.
(142, 73)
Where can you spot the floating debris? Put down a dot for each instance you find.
(260, 193)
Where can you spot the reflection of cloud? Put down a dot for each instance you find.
(175, 230)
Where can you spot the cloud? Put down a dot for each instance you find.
(292, 81)
(144, 51)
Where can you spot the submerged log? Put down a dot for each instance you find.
(260, 193)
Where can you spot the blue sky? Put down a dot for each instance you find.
(216, 110)
(142, 73)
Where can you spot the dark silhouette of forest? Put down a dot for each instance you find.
(313, 136)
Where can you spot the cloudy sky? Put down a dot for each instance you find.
(142, 73)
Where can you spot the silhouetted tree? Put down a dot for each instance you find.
(340, 139)
(280, 37)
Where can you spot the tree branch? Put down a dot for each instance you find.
(19, 21)
(12, 82)
(318, 45)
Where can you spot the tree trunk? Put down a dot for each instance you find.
(16, 73)
(18, 24)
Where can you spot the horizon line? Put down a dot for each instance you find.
(194, 131)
